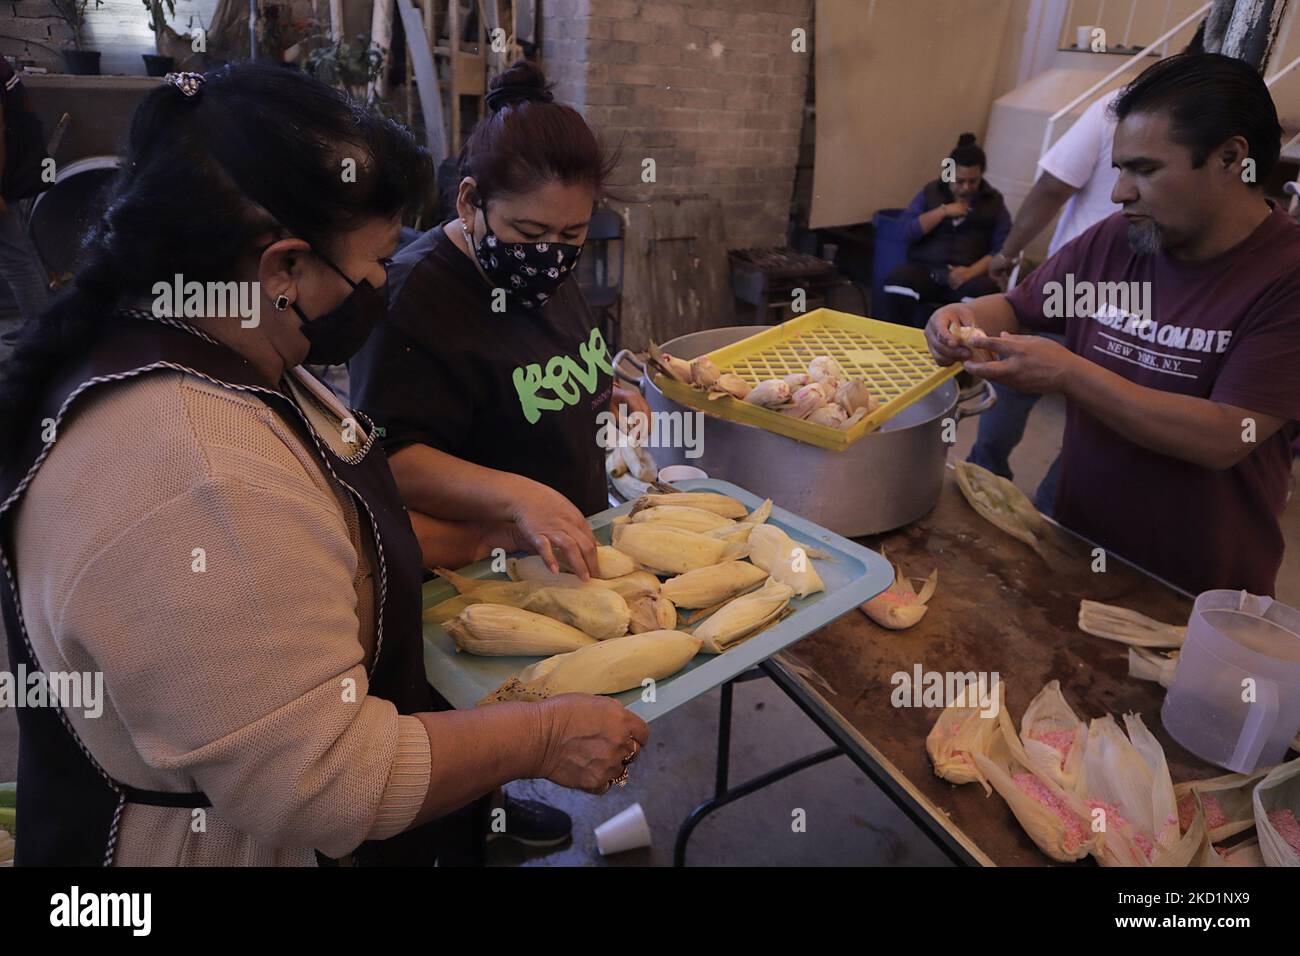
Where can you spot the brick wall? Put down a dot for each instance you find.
(30, 30)
(709, 89)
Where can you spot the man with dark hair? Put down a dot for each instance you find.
(1181, 367)
(953, 224)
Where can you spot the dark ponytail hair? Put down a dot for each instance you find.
(967, 152)
(257, 148)
(527, 139)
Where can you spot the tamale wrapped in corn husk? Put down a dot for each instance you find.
(598, 612)
(1002, 504)
(651, 612)
(1127, 626)
(1277, 814)
(785, 559)
(605, 667)
(743, 616)
(900, 605)
(698, 520)
(1057, 821)
(705, 587)
(965, 727)
(1127, 779)
(1053, 737)
(1225, 801)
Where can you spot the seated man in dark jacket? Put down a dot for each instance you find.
(954, 228)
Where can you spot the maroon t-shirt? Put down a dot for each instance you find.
(1225, 329)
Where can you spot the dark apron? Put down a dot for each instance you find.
(69, 806)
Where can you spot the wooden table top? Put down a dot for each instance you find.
(999, 607)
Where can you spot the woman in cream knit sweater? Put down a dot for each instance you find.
(189, 513)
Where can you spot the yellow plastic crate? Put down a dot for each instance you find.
(893, 360)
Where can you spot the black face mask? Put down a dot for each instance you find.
(337, 335)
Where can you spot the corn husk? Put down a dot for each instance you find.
(830, 415)
(627, 586)
(899, 606)
(1053, 737)
(496, 630)
(825, 369)
(533, 568)
(630, 469)
(606, 667)
(853, 395)
(729, 383)
(738, 533)
(1225, 803)
(741, 617)
(705, 587)
(651, 612)
(697, 520)
(1245, 853)
(966, 334)
(1157, 666)
(704, 374)
(596, 611)
(719, 504)
(964, 729)
(769, 393)
(806, 400)
(1001, 503)
(670, 365)
(759, 514)
(489, 590)
(666, 550)
(1127, 626)
(1127, 780)
(1275, 796)
(774, 551)
(1056, 820)
(445, 610)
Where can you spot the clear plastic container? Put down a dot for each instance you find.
(1235, 696)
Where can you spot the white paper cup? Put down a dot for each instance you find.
(681, 473)
(626, 830)
(1084, 37)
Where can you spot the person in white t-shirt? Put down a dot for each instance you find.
(1076, 173)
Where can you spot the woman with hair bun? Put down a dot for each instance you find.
(953, 226)
(207, 542)
(490, 372)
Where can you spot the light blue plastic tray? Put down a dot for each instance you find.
(854, 575)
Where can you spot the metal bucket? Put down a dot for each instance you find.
(883, 481)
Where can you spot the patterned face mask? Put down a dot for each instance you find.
(530, 271)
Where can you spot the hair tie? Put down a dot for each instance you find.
(188, 83)
(505, 96)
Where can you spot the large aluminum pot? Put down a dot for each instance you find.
(883, 481)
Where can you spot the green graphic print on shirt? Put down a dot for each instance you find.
(562, 378)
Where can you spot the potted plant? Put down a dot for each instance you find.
(350, 68)
(78, 60)
(158, 63)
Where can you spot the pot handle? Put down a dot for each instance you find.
(626, 354)
(985, 388)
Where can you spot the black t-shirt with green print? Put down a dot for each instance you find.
(517, 390)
